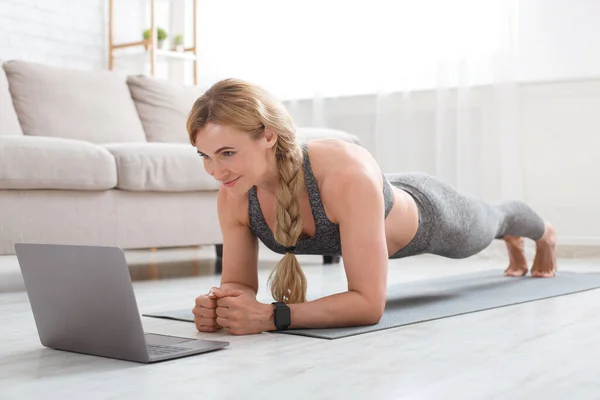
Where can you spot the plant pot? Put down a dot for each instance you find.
(179, 48)
(148, 44)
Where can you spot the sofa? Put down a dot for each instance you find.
(103, 158)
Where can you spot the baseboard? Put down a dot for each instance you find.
(580, 249)
(579, 240)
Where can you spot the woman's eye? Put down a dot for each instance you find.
(228, 153)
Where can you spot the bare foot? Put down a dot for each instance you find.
(544, 263)
(516, 254)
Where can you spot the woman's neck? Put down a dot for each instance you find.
(270, 180)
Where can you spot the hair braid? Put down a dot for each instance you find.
(288, 282)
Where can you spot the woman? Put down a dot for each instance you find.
(329, 197)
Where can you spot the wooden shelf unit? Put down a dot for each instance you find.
(189, 53)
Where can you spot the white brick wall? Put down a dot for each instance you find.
(63, 33)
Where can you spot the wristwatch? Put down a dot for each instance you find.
(281, 316)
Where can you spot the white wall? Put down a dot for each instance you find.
(561, 131)
(54, 32)
(558, 39)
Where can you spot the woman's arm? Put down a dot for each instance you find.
(339, 310)
(240, 246)
(360, 211)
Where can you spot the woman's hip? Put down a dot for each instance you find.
(452, 223)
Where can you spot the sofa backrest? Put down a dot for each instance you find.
(9, 123)
(94, 106)
(163, 107)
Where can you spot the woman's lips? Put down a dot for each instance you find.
(231, 183)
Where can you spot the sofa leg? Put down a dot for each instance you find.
(331, 259)
(219, 261)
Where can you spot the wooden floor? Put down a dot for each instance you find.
(540, 350)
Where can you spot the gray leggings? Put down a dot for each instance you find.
(456, 224)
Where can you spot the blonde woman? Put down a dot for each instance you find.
(329, 197)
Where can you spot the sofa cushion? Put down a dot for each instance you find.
(54, 163)
(163, 167)
(9, 123)
(85, 105)
(163, 107)
(304, 134)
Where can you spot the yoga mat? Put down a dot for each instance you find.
(426, 300)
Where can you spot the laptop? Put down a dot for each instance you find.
(83, 301)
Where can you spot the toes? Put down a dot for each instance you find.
(517, 272)
(543, 274)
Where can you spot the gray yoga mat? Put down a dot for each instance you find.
(426, 300)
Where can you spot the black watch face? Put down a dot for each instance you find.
(285, 318)
(282, 317)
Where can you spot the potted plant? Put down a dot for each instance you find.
(178, 42)
(161, 35)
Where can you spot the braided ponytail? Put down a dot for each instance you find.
(287, 280)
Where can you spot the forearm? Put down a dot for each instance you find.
(240, 286)
(338, 310)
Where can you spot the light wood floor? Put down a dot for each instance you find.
(540, 350)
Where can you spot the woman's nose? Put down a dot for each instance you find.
(219, 173)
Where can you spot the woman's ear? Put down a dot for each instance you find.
(270, 137)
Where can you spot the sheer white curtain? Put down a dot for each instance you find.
(427, 85)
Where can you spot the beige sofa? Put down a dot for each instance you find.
(102, 158)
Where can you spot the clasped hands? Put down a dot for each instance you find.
(233, 310)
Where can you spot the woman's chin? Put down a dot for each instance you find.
(237, 187)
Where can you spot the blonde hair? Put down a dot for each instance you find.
(251, 109)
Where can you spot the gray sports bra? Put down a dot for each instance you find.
(326, 240)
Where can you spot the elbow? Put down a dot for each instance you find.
(375, 313)
(374, 318)
(371, 308)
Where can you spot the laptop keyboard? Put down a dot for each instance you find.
(157, 350)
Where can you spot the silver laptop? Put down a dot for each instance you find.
(83, 301)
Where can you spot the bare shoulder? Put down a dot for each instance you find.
(332, 157)
(342, 168)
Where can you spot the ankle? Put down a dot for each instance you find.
(549, 237)
(514, 241)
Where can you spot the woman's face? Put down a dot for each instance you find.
(233, 157)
